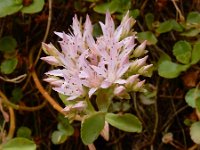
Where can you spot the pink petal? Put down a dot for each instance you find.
(91, 91)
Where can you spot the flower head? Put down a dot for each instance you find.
(87, 65)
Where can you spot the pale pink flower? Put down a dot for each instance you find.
(87, 65)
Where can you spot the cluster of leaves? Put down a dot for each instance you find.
(10, 7)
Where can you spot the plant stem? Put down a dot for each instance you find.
(18, 107)
(12, 124)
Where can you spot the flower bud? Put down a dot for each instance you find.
(145, 69)
(140, 50)
(138, 86)
(131, 81)
(137, 64)
(121, 92)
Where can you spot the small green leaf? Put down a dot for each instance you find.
(193, 17)
(35, 7)
(17, 94)
(149, 18)
(91, 127)
(176, 26)
(182, 50)
(191, 32)
(68, 129)
(191, 96)
(126, 122)
(8, 44)
(195, 132)
(134, 13)
(24, 132)
(8, 7)
(149, 36)
(104, 7)
(169, 25)
(19, 143)
(198, 104)
(165, 26)
(103, 100)
(9, 65)
(58, 137)
(195, 53)
(168, 69)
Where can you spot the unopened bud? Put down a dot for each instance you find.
(145, 69)
(131, 81)
(138, 86)
(140, 50)
(138, 63)
(121, 92)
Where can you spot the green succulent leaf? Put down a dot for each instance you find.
(24, 132)
(91, 127)
(176, 26)
(17, 95)
(126, 122)
(164, 27)
(134, 13)
(104, 7)
(149, 18)
(147, 35)
(191, 32)
(193, 18)
(58, 137)
(8, 7)
(8, 65)
(195, 53)
(182, 50)
(35, 7)
(168, 69)
(192, 96)
(103, 100)
(68, 129)
(8, 44)
(169, 25)
(195, 132)
(19, 143)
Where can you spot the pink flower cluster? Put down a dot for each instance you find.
(87, 64)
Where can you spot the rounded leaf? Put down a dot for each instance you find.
(191, 32)
(149, 36)
(191, 96)
(126, 122)
(195, 132)
(8, 44)
(182, 50)
(165, 27)
(168, 69)
(19, 143)
(195, 53)
(91, 127)
(9, 65)
(68, 129)
(193, 17)
(24, 132)
(149, 19)
(58, 137)
(35, 7)
(8, 7)
(104, 7)
(17, 94)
